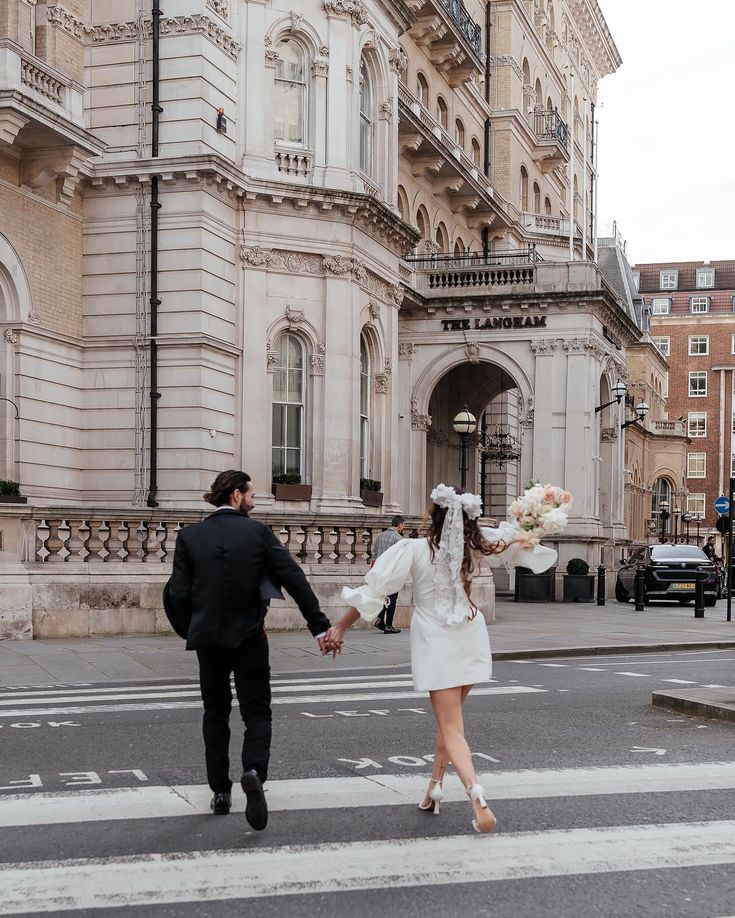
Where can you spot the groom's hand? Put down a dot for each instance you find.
(331, 643)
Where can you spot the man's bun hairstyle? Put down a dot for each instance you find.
(223, 486)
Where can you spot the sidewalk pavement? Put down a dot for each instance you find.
(520, 630)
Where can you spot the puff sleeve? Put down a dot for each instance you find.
(538, 559)
(389, 573)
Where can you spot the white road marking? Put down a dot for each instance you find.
(648, 749)
(150, 879)
(154, 801)
(641, 675)
(681, 681)
(591, 669)
(297, 699)
(713, 685)
(556, 665)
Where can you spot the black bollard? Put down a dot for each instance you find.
(699, 595)
(639, 588)
(601, 586)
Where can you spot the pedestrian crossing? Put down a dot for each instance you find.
(308, 868)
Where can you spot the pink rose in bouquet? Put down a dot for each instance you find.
(541, 511)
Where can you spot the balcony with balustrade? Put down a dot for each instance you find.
(450, 36)
(42, 120)
(551, 147)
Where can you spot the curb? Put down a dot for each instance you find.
(687, 705)
(610, 649)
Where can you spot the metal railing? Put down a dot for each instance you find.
(440, 262)
(470, 30)
(548, 125)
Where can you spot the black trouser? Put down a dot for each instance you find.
(249, 663)
(389, 610)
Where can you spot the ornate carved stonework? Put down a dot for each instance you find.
(398, 60)
(419, 421)
(382, 383)
(320, 67)
(294, 316)
(374, 309)
(316, 365)
(406, 351)
(386, 110)
(220, 7)
(608, 434)
(297, 20)
(175, 25)
(10, 336)
(526, 419)
(270, 360)
(543, 346)
(34, 317)
(396, 294)
(389, 366)
(354, 9)
(272, 57)
(62, 18)
(349, 74)
(472, 349)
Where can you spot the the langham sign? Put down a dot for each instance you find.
(494, 322)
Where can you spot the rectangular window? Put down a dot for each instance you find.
(733, 345)
(695, 504)
(698, 345)
(705, 278)
(732, 465)
(666, 385)
(696, 465)
(660, 306)
(699, 304)
(697, 424)
(669, 280)
(663, 343)
(698, 384)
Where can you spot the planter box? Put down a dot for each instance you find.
(291, 491)
(13, 499)
(534, 587)
(372, 498)
(579, 587)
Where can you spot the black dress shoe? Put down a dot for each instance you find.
(391, 630)
(379, 625)
(221, 804)
(256, 811)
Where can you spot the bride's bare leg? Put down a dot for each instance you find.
(440, 763)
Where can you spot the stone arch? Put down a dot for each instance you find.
(15, 290)
(289, 26)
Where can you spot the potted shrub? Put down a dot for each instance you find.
(288, 487)
(370, 492)
(579, 584)
(10, 493)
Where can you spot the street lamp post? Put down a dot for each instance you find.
(464, 425)
(663, 512)
(677, 514)
(698, 521)
(686, 519)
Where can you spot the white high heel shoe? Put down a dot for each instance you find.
(435, 795)
(485, 820)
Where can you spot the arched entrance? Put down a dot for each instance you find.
(492, 395)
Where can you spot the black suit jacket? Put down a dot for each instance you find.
(215, 586)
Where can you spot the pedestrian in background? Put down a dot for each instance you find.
(223, 570)
(381, 544)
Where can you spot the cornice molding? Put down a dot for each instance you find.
(352, 9)
(174, 25)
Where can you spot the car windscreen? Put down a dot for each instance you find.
(677, 553)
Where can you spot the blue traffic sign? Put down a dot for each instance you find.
(722, 504)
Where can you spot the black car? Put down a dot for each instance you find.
(670, 573)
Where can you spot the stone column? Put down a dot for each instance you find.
(320, 75)
(339, 89)
(260, 62)
(253, 427)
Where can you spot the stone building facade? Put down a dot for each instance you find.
(295, 241)
(692, 322)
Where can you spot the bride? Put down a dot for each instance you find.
(450, 648)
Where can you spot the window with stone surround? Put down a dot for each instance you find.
(442, 112)
(663, 343)
(699, 304)
(698, 345)
(288, 406)
(705, 278)
(476, 153)
(695, 504)
(422, 89)
(289, 122)
(660, 305)
(698, 384)
(732, 350)
(697, 424)
(365, 464)
(668, 280)
(696, 465)
(366, 119)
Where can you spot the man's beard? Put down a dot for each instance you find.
(242, 507)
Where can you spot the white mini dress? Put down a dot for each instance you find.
(442, 655)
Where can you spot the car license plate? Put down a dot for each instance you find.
(681, 586)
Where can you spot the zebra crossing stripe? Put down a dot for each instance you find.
(162, 878)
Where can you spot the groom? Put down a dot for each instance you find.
(215, 598)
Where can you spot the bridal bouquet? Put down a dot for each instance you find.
(541, 511)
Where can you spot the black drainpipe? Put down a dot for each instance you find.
(154, 300)
(486, 165)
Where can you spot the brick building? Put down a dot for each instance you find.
(692, 321)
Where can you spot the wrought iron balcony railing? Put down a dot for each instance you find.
(433, 262)
(548, 125)
(466, 24)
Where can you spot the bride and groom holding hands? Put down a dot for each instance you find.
(227, 567)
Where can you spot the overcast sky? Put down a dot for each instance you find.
(667, 129)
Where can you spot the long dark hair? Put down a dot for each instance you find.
(224, 484)
(474, 543)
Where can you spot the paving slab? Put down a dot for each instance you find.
(713, 704)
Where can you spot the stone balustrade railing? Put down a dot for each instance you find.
(41, 79)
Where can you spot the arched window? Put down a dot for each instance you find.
(422, 222)
(459, 133)
(661, 492)
(536, 198)
(547, 206)
(366, 119)
(549, 105)
(288, 406)
(365, 406)
(442, 238)
(476, 152)
(442, 113)
(459, 248)
(524, 188)
(539, 100)
(576, 117)
(403, 204)
(422, 89)
(290, 93)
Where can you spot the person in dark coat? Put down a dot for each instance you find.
(223, 567)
